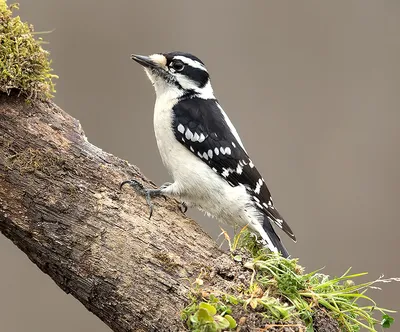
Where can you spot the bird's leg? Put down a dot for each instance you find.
(147, 193)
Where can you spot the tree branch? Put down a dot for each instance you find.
(60, 204)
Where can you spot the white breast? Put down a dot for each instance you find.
(194, 181)
(164, 133)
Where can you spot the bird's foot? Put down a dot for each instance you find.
(183, 207)
(147, 193)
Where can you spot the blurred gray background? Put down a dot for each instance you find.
(313, 88)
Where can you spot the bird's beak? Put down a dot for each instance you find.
(152, 61)
(145, 61)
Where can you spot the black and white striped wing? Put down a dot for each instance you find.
(202, 127)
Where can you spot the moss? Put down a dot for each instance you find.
(31, 160)
(167, 261)
(273, 293)
(24, 64)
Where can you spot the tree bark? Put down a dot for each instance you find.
(60, 203)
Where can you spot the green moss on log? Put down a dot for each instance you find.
(24, 64)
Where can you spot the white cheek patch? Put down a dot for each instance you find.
(160, 59)
(185, 82)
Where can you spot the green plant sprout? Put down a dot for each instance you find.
(24, 64)
(283, 295)
(211, 316)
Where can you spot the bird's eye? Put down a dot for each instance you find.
(177, 65)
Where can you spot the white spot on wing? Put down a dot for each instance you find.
(222, 150)
(191, 148)
(259, 205)
(202, 138)
(225, 173)
(210, 153)
(251, 164)
(188, 134)
(239, 169)
(195, 137)
(228, 150)
(205, 155)
(258, 186)
(181, 128)
(199, 154)
(234, 145)
(216, 150)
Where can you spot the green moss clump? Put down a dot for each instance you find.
(24, 64)
(32, 160)
(280, 295)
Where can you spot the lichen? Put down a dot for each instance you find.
(24, 64)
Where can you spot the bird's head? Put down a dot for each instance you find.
(176, 74)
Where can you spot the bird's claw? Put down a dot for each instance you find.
(147, 193)
(183, 207)
(136, 185)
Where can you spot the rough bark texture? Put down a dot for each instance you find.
(60, 203)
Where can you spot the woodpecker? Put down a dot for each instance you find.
(203, 152)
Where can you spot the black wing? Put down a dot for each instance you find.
(200, 125)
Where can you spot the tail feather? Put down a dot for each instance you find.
(273, 241)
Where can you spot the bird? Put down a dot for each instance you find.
(203, 152)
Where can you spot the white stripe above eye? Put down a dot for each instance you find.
(190, 62)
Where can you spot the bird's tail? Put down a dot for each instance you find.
(272, 239)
